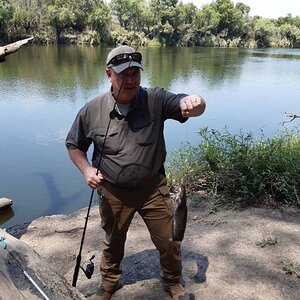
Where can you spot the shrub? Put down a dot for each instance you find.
(255, 171)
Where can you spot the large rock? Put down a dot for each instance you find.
(24, 274)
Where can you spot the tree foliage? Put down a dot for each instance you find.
(167, 22)
(6, 12)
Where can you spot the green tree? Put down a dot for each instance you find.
(186, 13)
(288, 19)
(205, 25)
(6, 12)
(291, 33)
(184, 16)
(262, 32)
(25, 22)
(20, 22)
(243, 8)
(99, 20)
(169, 22)
(129, 13)
(81, 10)
(165, 12)
(60, 17)
(73, 15)
(162, 9)
(231, 17)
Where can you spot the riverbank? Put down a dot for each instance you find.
(249, 253)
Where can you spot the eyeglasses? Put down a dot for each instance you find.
(125, 57)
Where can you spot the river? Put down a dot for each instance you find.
(43, 87)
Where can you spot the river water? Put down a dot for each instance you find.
(43, 87)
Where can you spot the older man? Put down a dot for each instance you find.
(125, 125)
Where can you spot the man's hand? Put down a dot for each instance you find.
(192, 106)
(92, 179)
(79, 158)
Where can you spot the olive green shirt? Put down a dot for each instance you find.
(133, 147)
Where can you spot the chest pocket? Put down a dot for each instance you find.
(146, 135)
(111, 142)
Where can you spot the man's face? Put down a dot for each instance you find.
(128, 81)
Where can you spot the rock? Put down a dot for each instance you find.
(24, 274)
(219, 262)
(5, 203)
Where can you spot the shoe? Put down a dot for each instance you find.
(103, 294)
(176, 291)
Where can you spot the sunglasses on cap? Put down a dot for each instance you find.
(125, 57)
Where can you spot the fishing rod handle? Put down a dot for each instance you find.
(76, 271)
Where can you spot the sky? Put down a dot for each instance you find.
(263, 8)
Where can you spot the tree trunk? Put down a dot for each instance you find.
(11, 48)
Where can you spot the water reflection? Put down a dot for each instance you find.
(65, 71)
(215, 66)
(55, 73)
(57, 199)
(6, 215)
(276, 53)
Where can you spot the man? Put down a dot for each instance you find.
(125, 126)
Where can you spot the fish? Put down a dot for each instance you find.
(180, 214)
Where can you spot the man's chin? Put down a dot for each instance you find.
(127, 95)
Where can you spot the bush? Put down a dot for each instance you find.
(255, 171)
(185, 166)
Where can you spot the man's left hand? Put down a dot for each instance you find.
(192, 106)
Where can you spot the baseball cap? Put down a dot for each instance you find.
(123, 57)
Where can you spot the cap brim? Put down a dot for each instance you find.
(120, 68)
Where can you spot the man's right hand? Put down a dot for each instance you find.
(92, 179)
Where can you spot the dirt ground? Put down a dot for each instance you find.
(250, 253)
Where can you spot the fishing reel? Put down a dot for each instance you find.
(88, 268)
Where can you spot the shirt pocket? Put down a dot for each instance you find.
(108, 141)
(146, 135)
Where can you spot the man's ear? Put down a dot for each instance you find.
(108, 73)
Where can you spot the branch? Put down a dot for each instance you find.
(11, 48)
(292, 116)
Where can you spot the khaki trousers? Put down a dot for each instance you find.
(117, 208)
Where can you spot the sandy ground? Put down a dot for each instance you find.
(250, 253)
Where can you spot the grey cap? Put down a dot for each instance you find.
(121, 67)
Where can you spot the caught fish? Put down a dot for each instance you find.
(180, 213)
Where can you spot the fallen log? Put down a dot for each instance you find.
(11, 48)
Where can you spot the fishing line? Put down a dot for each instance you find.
(89, 268)
(23, 270)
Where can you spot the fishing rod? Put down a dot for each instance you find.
(23, 270)
(90, 266)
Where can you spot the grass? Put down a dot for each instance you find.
(291, 268)
(241, 167)
(268, 241)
